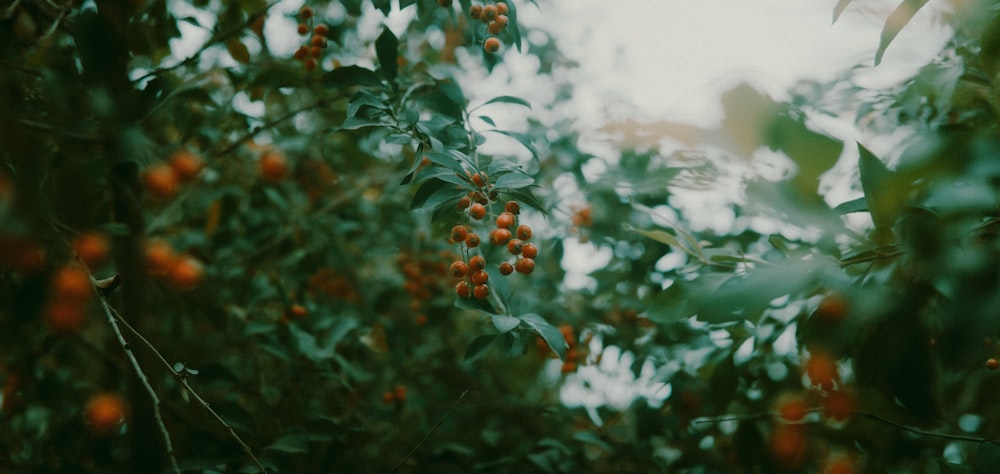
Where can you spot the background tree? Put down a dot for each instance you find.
(342, 259)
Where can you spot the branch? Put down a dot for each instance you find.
(256, 130)
(429, 433)
(182, 378)
(109, 312)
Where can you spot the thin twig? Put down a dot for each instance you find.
(182, 378)
(429, 433)
(918, 431)
(142, 377)
(256, 130)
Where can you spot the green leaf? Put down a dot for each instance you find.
(989, 47)
(884, 192)
(683, 298)
(424, 192)
(550, 333)
(895, 23)
(479, 347)
(839, 8)
(447, 160)
(746, 296)
(387, 50)
(508, 99)
(812, 152)
(505, 323)
(520, 137)
(854, 205)
(290, 444)
(354, 123)
(663, 237)
(513, 181)
(384, 5)
(347, 76)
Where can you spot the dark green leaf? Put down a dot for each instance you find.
(387, 50)
(405, 3)
(354, 123)
(347, 76)
(479, 347)
(505, 323)
(385, 6)
(508, 99)
(552, 336)
(895, 23)
(424, 192)
(290, 444)
(746, 296)
(854, 205)
(513, 181)
(884, 192)
(813, 153)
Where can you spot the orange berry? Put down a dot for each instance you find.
(477, 211)
(838, 405)
(298, 311)
(481, 292)
(839, 465)
(71, 284)
(472, 240)
(480, 179)
(489, 12)
(160, 181)
(462, 289)
(186, 273)
(306, 13)
(524, 232)
(160, 257)
(315, 52)
(321, 30)
(788, 445)
(992, 364)
(477, 263)
(303, 29)
(494, 28)
(529, 250)
(502, 8)
(832, 309)
(822, 370)
(525, 266)
(388, 397)
(491, 45)
(186, 165)
(793, 409)
(92, 248)
(459, 269)
(505, 220)
(400, 393)
(476, 11)
(512, 207)
(273, 165)
(506, 268)
(104, 413)
(464, 203)
(515, 247)
(499, 236)
(301, 53)
(318, 42)
(568, 367)
(421, 319)
(458, 233)
(479, 197)
(66, 316)
(568, 334)
(502, 20)
(480, 277)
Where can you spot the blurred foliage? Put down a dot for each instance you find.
(280, 242)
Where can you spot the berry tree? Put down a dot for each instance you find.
(334, 257)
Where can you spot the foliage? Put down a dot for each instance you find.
(250, 258)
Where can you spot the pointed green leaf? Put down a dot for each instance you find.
(479, 347)
(895, 23)
(854, 205)
(837, 10)
(505, 323)
(550, 333)
(513, 181)
(508, 99)
(347, 76)
(387, 50)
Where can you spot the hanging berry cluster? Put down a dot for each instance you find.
(494, 15)
(312, 51)
(471, 267)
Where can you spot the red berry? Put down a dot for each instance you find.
(306, 13)
(472, 240)
(481, 292)
(793, 409)
(494, 28)
(525, 266)
(480, 277)
(476, 11)
(491, 45)
(321, 30)
(480, 179)
(303, 29)
(477, 211)
(458, 233)
(499, 236)
(462, 289)
(502, 8)
(464, 202)
(523, 232)
(477, 263)
(489, 12)
(459, 269)
(505, 220)
(512, 207)
(502, 20)
(506, 268)
(992, 364)
(529, 251)
(515, 247)
(301, 53)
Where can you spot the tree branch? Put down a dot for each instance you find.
(429, 433)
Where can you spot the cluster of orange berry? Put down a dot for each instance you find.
(162, 180)
(472, 268)
(312, 51)
(495, 17)
(69, 293)
(396, 395)
(423, 279)
(183, 272)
